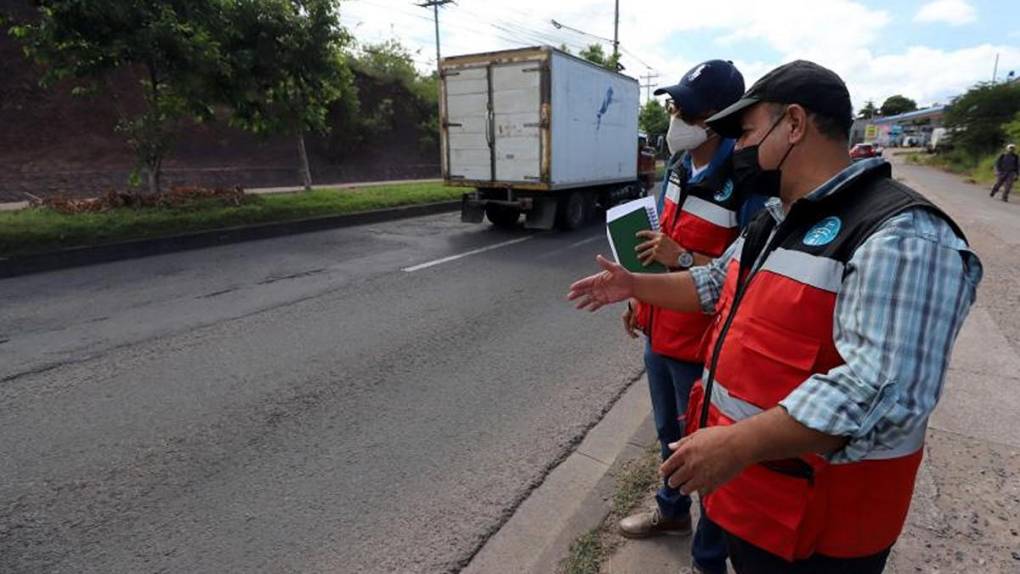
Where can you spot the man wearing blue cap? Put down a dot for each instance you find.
(700, 210)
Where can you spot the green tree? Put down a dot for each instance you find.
(172, 46)
(897, 104)
(1012, 130)
(397, 105)
(978, 118)
(868, 111)
(596, 55)
(287, 68)
(654, 119)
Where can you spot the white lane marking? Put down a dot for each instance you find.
(584, 241)
(465, 254)
(561, 250)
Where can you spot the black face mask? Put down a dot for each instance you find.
(747, 171)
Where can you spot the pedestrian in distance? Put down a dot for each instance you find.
(836, 313)
(1007, 167)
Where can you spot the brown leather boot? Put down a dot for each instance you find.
(653, 523)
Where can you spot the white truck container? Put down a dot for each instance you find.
(539, 131)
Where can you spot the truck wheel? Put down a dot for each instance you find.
(573, 212)
(502, 215)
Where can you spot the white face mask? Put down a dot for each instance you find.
(683, 136)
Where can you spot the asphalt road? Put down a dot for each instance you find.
(297, 404)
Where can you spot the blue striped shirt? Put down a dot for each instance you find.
(905, 294)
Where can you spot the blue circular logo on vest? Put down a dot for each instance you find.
(824, 232)
(726, 192)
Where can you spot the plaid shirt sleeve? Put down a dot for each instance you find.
(905, 295)
(709, 279)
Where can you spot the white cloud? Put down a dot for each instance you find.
(954, 12)
(842, 35)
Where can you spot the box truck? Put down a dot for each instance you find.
(540, 132)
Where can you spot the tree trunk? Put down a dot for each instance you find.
(152, 171)
(306, 171)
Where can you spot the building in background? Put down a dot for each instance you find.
(912, 129)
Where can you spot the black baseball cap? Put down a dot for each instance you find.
(816, 88)
(709, 86)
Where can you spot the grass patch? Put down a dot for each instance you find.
(38, 230)
(586, 554)
(977, 169)
(636, 481)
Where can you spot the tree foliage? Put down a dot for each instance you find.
(596, 55)
(286, 68)
(868, 111)
(978, 119)
(268, 66)
(173, 46)
(654, 119)
(396, 104)
(287, 65)
(897, 104)
(1012, 130)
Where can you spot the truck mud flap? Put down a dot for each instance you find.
(542, 214)
(471, 210)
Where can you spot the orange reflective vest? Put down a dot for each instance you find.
(773, 330)
(701, 217)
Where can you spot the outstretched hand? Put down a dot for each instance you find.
(612, 285)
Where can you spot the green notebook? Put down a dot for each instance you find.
(622, 224)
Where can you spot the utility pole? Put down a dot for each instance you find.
(995, 70)
(648, 85)
(435, 4)
(616, 33)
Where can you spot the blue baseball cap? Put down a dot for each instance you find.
(710, 86)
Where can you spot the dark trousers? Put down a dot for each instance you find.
(1005, 181)
(749, 559)
(670, 382)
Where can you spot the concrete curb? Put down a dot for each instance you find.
(575, 497)
(79, 256)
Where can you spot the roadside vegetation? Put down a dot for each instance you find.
(980, 123)
(636, 481)
(59, 226)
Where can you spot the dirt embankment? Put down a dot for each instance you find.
(54, 143)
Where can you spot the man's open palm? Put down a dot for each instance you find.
(612, 285)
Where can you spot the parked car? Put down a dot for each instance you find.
(863, 151)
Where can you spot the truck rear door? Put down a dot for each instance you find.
(517, 107)
(468, 127)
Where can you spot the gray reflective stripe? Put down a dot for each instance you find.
(820, 272)
(734, 408)
(908, 445)
(710, 212)
(673, 192)
(739, 409)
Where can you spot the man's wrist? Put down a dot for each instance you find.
(744, 444)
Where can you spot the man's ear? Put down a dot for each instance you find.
(798, 124)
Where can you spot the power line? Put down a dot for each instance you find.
(560, 26)
(639, 60)
(515, 27)
(649, 85)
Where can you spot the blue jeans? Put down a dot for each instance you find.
(670, 382)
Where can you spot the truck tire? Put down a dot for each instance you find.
(503, 216)
(573, 211)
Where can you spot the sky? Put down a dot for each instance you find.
(927, 50)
